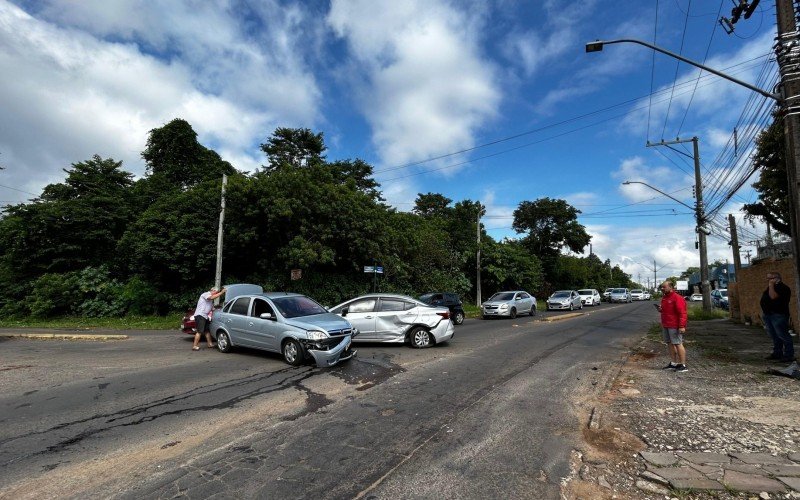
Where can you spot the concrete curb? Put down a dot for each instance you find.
(563, 317)
(63, 336)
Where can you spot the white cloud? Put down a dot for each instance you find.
(74, 94)
(423, 85)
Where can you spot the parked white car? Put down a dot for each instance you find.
(637, 294)
(590, 297)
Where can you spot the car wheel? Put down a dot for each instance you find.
(223, 342)
(420, 338)
(513, 312)
(458, 318)
(571, 307)
(292, 352)
(580, 306)
(533, 310)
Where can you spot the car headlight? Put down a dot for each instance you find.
(317, 335)
(504, 306)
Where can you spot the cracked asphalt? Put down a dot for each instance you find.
(495, 412)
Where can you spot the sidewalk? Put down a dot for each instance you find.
(63, 333)
(724, 429)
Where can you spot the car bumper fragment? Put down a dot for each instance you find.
(341, 352)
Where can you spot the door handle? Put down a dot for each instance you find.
(367, 317)
(251, 323)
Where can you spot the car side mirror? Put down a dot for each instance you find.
(266, 316)
(344, 312)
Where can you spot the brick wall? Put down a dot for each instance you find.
(745, 294)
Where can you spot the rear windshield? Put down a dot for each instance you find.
(502, 296)
(297, 306)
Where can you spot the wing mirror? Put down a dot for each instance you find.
(267, 316)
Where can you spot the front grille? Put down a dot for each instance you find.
(343, 331)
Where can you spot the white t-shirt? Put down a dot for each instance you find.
(204, 305)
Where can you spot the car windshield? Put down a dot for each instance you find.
(502, 296)
(297, 306)
(723, 293)
(585, 292)
(618, 290)
(426, 298)
(561, 295)
(636, 291)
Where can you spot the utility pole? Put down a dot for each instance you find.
(218, 274)
(737, 259)
(478, 264)
(699, 214)
(787, 53)
(655, 274)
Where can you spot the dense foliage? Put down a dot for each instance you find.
(773, 185)
(101, 244)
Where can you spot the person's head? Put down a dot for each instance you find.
(773, 275)
(667, 286)
(214, 289)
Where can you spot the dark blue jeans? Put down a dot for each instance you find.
(777, 326)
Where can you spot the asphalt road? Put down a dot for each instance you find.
(495, 412)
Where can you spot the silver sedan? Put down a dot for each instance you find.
(396, 319)
(565, 299)
(509, 304)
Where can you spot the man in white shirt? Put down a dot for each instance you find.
(202, 316)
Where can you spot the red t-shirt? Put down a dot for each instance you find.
(673, 311)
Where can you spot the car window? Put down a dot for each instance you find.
(359, 306)
(561, 295)
(392, 305)
(297, 306)
(408, 305)
(261, 306)
(227, 307)
(585, 292)
(502, 296)
(723, 293)
(240, 306)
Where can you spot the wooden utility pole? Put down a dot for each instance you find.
(737, 259)
(478, 264)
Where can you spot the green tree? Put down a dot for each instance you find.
(508, 265)
(293, 147)
(773, 185)
(432, 205)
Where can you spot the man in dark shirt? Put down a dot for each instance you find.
(775, 309)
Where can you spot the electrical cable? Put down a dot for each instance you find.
(677, 67)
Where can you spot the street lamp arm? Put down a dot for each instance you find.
(597, 46)
(660, 191)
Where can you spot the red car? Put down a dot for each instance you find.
(188, 324)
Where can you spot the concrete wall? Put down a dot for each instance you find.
(745, 294)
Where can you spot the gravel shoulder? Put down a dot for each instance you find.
(725, 429)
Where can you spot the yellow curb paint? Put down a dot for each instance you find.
(63, 336)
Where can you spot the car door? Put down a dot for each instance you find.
(393, 318)
(265, 332)
(236, 322)
(361, 314)
(524, 303)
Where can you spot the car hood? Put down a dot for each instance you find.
(326, 321)
(497, 302)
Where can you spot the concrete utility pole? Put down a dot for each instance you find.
(787, 53)
(218, 275)
(737, 259)
(478, 264)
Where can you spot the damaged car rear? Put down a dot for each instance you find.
(291, 324)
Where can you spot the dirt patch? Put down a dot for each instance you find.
(611, 444)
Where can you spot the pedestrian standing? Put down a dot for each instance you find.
(775, 313)
(202, 318)
(673, 326)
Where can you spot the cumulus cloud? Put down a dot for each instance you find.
(96, 84)
(422, 82)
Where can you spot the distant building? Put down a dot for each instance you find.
(718, 276)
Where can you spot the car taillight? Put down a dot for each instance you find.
(445, 315)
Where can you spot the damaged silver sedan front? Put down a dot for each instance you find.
(288, 323)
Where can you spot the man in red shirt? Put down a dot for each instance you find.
(673, 326)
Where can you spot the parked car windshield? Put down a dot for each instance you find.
(502, 296)
(618, 290)
(296, 306)
(426, 297)
(585, 292)
(723, 293)
(561, 295)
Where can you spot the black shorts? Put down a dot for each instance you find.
(202, 324)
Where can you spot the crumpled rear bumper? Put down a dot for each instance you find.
(341, 352)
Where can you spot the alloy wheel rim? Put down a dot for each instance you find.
(290, 351)
(421, 338)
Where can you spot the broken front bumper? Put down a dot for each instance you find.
(330, 357)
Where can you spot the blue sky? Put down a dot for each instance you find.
(494, 101)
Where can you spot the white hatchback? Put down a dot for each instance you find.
(590, 297)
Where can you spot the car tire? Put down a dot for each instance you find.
(292, 352)
(513, 312)
(224, 342)
(571, 307)
(420, 338)
(458, 318)
(580, 307)
(533, 310)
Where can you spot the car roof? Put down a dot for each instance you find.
(384, 296)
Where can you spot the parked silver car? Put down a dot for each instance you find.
(620, 295)
(590, 297)
(289, 323)
(509, 304)
(564, 299)
(397, 319)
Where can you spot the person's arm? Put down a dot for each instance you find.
(219, 293)
(680, 305)
(773, 294)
